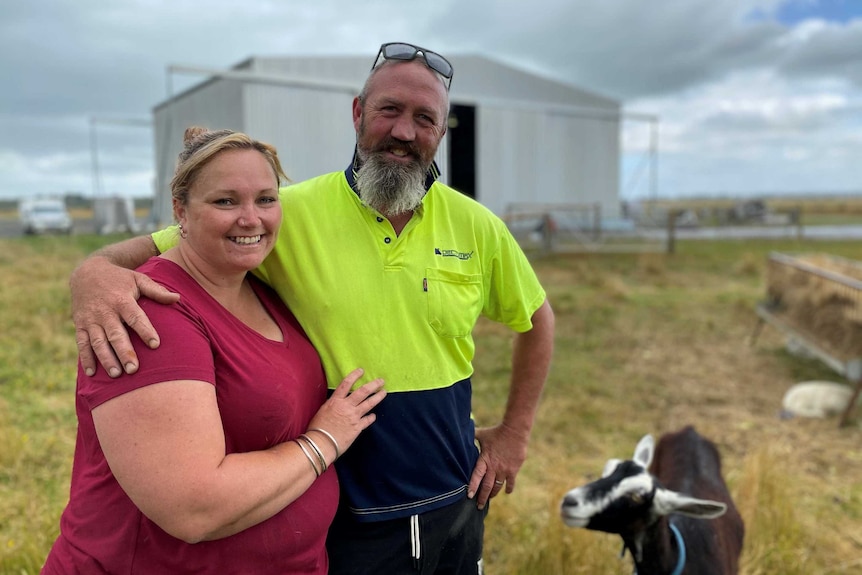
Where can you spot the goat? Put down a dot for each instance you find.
(659, 515)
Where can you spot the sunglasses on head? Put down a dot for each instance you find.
(406, 52)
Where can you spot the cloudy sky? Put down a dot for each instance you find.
(752, 96)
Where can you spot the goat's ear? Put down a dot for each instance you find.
(667, 502)
(644, 451)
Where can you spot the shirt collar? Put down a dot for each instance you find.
(350, 173)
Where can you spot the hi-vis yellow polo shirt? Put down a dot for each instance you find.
(402, 308)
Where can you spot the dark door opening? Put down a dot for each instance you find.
(462, 149)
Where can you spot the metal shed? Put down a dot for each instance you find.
(513, 137)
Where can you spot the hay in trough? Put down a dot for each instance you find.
(821, 296)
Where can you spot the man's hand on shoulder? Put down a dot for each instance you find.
(104, 302)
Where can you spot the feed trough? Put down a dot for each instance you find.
(816, 299)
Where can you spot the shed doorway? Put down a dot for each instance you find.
(462, 149)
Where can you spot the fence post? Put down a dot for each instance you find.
(671, 231)
(597, 221)
(796, 215)
(547, 234)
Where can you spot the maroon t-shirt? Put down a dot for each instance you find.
(267, 393)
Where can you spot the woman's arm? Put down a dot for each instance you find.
(165, 445)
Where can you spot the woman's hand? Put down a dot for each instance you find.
(346, 413)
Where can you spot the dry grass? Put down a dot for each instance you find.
(37, 367)
(645, 344)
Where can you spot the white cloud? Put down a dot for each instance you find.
(53, 174)
(754, 132)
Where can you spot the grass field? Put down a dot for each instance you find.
(645, 344)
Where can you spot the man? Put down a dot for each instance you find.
(386, 269)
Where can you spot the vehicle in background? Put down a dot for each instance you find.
(40, 216)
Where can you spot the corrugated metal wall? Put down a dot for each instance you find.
(347, 70)
(312, 130)
(541, 156)
(216, 105)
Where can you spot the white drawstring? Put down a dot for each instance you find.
(415, 546)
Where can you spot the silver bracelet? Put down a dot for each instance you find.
(316, 450)
(332, 439)
(308, 455)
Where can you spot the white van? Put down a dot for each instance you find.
(42, 216)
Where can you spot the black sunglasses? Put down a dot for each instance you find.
(406, 52)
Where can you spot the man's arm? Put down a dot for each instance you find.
(504, 447)
(104, 301)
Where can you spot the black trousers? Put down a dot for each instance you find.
(446, 541)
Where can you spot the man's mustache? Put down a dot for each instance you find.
(390, 143)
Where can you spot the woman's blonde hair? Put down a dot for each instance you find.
(202, 145)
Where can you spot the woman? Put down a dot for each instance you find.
(215, 456)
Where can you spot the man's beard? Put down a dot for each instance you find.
(391, 188)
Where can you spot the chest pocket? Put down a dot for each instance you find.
(454, 301)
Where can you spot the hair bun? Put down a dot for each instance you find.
(192, 133)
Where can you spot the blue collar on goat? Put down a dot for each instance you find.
(680, 545)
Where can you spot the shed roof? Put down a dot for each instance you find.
(477, 79)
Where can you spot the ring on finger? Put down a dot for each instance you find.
(498, 482)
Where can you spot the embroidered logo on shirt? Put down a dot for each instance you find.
(453, 254)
